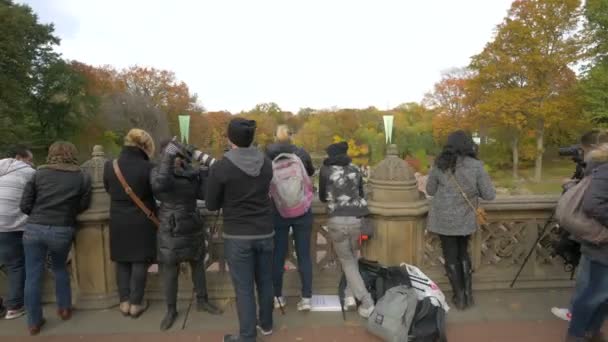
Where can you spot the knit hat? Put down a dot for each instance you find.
(337, 149)
(142, 140)
(241, 132)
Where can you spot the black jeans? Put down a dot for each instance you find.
(170, 275)
(455, 248)
(131, 279)
(250, 263)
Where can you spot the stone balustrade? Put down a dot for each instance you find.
(399, 214)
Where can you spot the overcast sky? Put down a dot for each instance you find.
(306, 53)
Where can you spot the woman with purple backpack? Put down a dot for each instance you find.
(290, 160)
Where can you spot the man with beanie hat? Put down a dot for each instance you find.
(240, 184)
(341, 187)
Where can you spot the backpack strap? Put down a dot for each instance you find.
(149, 213)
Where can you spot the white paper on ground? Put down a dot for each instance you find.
(326, 303)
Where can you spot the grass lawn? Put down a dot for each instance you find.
(554, 171)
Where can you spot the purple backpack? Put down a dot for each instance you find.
(290, 188)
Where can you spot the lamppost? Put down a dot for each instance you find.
(388, 128)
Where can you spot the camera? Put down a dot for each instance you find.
(574, 151)
(577, 154)
(192, 153)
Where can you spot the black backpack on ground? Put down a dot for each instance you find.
(429, 323)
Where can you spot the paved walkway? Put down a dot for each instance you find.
(506, 316)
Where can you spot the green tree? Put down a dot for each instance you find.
(26, 47)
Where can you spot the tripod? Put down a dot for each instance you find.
(540, 236)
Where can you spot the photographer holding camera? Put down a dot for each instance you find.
(590, 300)
(178, 185)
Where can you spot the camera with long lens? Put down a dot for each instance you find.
(578, 157)
(191, 153)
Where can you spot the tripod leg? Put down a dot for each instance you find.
(540, 236)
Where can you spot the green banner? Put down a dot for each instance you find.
(388, 128)
(184, 127)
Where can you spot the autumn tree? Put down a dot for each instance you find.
(524, 74)
(167, 93)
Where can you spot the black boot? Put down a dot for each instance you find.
(169, 319)
(203, 304)
(455, 276)
(467, 276)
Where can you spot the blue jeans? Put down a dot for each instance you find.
(12, 257)
(39, 240)
(590, 302)
(302, 232)
(250, 263)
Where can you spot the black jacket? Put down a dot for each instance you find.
(132, 234)
(240, 185)
(595, 202)
(55, 195)
(341, 187)
(180, 236)
(273, 151)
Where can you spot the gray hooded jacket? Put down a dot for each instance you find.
(14, 174)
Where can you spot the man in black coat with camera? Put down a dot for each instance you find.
(177, 185)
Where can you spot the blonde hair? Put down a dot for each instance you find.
(283, 134)
(142, 140)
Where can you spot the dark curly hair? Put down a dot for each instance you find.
(62, 152)
(459, 144)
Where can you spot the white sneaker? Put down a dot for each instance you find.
(350, 303)
(280, 302)
(13, 314)
(305, 304)
(562, 313)
(264, 332)
(366, 312)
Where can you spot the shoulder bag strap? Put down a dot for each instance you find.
(133, 196)
(463, 193)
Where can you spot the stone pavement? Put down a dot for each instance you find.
(500, 316)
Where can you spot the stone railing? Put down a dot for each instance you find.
(399, 215)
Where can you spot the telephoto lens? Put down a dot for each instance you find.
(203, 158)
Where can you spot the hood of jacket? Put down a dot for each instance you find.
(248, 159)
(275, 149)
(9, 165)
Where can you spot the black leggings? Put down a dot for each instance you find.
(131, 279)
(170, 274)
(455, 248)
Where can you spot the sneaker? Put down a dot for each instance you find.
(562, 313)
(350, 303)
(280, 302)
(264, 332)
(366, 312)
(305, 304)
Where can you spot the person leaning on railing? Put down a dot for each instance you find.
(456, 182)
(52, 199)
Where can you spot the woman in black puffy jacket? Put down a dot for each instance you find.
(177, 185)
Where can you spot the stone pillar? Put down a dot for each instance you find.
(398, 211)
(94, 272)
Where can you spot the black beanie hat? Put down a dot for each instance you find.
(337, 149)
(241, 132)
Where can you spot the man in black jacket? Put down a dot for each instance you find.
(590, 301)
(240, 184)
